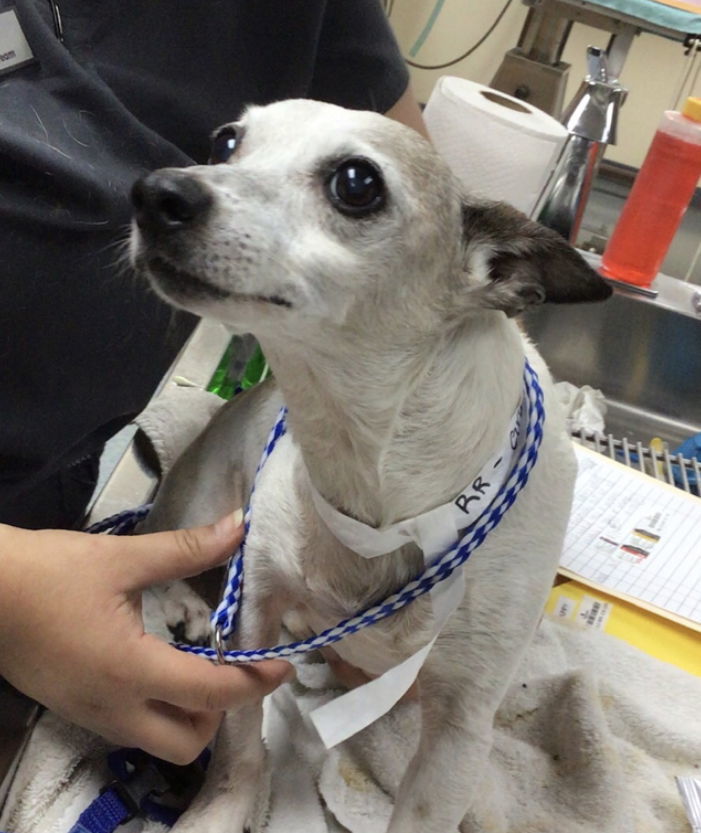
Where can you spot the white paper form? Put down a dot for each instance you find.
(632, 536)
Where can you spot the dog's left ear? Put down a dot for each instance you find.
(527, 263)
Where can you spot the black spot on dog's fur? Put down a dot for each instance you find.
(179, 632)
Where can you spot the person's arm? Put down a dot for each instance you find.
(72, 638)
(407, 111)
(359, 63)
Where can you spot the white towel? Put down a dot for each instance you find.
(588, 740)
(174, 419)
(585, 408)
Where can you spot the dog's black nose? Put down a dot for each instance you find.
(168, 200)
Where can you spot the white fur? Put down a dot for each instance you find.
(400, 377)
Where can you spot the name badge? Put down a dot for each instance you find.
(15, 51)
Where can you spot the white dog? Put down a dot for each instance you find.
(382, 298)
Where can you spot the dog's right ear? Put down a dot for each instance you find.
(526, 262)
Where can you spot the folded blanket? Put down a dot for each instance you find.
(589, 739)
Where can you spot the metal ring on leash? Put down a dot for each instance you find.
(219, 645)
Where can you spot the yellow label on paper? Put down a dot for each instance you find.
(581, 606)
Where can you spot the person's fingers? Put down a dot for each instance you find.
(171, 733)
(195, 683)
(180, 553)
(351, 677)
(347, 674)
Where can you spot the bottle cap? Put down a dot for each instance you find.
(692, 108)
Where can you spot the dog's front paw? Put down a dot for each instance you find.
(182, 613)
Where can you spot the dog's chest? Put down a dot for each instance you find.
(319, 581)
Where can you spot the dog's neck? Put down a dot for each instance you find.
(389, 433)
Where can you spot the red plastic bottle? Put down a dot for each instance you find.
(660, 195)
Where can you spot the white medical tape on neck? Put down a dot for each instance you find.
(434, 532)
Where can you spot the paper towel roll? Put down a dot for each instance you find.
(498, 146)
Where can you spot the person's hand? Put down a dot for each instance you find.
(71, 636)
(349, 676)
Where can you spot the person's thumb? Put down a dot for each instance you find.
(180, 553)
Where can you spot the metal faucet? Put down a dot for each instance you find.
(591, 120)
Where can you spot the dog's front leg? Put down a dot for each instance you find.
(449, 765)
(447, 784)
(230, 799)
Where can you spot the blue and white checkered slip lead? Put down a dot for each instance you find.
(224, 617)
(123, 523)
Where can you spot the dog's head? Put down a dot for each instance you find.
(312, 215)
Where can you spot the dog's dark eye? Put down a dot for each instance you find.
(224, 145)
(356, 188)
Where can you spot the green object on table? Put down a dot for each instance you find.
(256, 369)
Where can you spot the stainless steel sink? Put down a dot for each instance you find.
(644, 354)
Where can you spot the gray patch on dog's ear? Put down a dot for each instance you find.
(528, 263)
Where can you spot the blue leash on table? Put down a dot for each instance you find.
(143, 786)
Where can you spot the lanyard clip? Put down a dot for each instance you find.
(141, 779)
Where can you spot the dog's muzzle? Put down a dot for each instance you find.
(169, 201)
(168, 205)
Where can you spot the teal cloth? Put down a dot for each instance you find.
(657, 13)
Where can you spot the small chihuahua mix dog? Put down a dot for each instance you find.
(383, 298)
